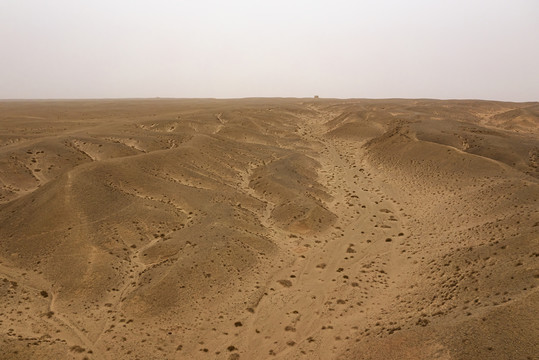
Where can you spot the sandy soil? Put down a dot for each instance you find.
(269, 229)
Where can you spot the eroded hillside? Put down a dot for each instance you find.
(269, 228)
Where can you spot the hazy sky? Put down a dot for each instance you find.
(486, 49)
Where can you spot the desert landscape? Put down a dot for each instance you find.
(269, 228)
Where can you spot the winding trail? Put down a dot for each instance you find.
(355, 241)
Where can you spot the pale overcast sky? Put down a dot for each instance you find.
(486, 49)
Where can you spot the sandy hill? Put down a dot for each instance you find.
(269, 229)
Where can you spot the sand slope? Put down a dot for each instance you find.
(269, 228)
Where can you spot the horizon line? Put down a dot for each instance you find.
(314, 97)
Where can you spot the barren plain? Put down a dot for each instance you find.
(269, 229)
